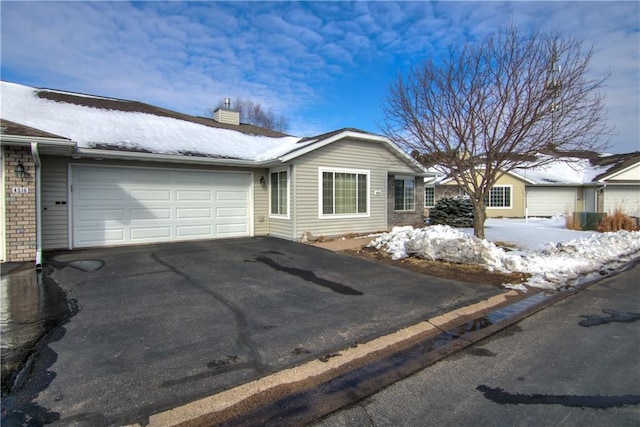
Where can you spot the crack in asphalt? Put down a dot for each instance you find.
(309, 276)
(242, 324)
(502, 397)
(614, 316)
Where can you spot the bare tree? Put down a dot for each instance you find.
(255, 114)
(500, 104)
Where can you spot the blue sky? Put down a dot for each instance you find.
(324, 65)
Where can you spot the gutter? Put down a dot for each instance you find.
(28, 140)
(36, 159)
(170, 158)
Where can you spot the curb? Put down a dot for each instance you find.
(303, 394)
(242, 404)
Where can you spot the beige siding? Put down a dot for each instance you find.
(55, 221)
(517, 199)
(280, 227)
(260, 203)
(55, 208)
(517, 210)
(631, 174)
(349, 154)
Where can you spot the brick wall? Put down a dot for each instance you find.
(20, 208)
(415, 217)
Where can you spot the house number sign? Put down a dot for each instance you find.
(21, 190)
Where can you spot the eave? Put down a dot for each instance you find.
(101, 154)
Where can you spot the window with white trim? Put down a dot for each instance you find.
(499, 197)
(429, 197)
(279, 188)
(404, 193)
(343, 192)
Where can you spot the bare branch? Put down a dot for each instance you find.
(254, 114)
(488, 108)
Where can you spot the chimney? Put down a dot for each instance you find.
(226, 115)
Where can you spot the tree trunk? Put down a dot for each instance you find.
(479, 216)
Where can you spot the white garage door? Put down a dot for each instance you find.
(548, 201)
(117, 206)
(627, 199)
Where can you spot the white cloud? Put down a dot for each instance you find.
(293, 57)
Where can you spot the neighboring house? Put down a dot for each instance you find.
(592, 183)
(87, 171)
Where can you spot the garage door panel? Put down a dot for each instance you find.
(149, 177)
(191, 195)
(230, 229)
(193, 213)
(95, 237)
(625, 199)
(150, 205)
(230, 195)
(92, 215)
(231, 213)
(143, 196)
(187, 178)
(150, 214)
(100, 195)
(194, 230)
(99, 175)
(150, 233)
(549, 201)
(230, 180)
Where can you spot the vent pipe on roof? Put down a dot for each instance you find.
(227, 103)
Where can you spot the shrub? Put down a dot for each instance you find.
(571, 223)
(452, 211)
(617, 221)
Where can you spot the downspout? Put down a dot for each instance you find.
(599, 190)
(36, 159)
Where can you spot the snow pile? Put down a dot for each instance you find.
(550, 267)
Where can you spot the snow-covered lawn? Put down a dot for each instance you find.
(542, 247)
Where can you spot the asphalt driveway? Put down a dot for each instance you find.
(161, 325)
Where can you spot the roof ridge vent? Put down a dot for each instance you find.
(227, 115)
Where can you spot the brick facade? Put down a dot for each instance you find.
(415, 217)
(20, 207)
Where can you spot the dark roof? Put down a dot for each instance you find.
(333, 133)
(616, 163)
(17, 129)
(140, 107)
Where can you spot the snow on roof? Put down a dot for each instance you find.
(92, 127)
(561, 171)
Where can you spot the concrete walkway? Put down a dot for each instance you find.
(344, 244)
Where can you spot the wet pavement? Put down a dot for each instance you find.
(575, 363)
(157, 326)
(32, 305)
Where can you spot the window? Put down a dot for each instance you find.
(344, 192)
(279, 193)
(405, 193)
(429, 197)
(499, 197)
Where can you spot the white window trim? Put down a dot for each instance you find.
(405, 178)
(425, 196)
(280, 216)
(510, 187)
(366, 172)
